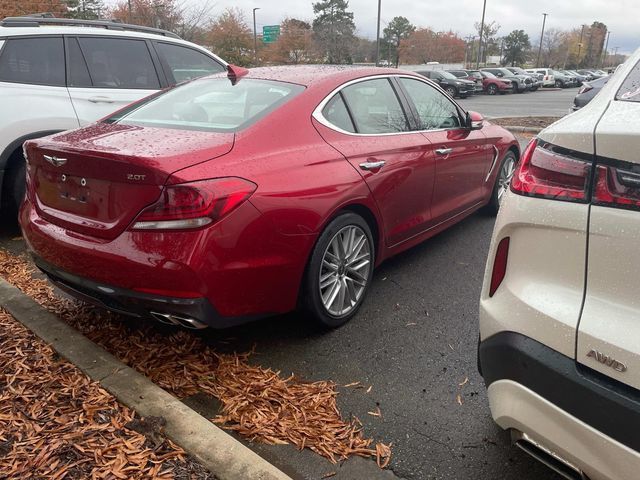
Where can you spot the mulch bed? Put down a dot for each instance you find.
(536, 122)
(56, 423)
(257, 402)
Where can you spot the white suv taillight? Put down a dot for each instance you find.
(615, 187)
(194, 205)
(546, 171)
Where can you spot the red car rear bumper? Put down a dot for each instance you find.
(235, 270)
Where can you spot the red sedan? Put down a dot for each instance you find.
(234, 197)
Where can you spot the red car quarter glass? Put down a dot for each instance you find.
(545, 173)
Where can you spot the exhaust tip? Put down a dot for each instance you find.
(180, 320)
(552, 460)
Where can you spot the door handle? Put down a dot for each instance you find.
(444, 151)
(377, 165)
(100, 99)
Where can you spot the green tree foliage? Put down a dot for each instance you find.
(516, 46)
(334, 29)
(398, 29)
(85, 9)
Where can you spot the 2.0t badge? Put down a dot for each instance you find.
(607, 360)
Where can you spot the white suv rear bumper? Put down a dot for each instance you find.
(514, 406)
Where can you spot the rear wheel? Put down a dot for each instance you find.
(559, 84)
(503, 180)
(492, 89)
(339, 271)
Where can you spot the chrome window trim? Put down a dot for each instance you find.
(317, 112)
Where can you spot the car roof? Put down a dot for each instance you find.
(44, 30)
(309, 75)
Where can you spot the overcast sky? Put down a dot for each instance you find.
(620, 16)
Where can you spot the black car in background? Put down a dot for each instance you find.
(472, 76)
(454, 86)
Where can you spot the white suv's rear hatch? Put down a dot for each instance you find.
(609, 328)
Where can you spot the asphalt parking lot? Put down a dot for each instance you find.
(545, 102)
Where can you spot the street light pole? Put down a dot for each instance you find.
(255, 38)
(378, 35)
(544, 20)
(484, 7)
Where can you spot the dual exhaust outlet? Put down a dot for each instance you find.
(179, 320)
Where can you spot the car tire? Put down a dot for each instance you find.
(503, 179)
(14, 185)
(332, 296)
(559, 84)
(452, 91)
(534, 89)
(492, 89)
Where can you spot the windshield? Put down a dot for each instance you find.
(630, 88)
(518, 70)
(489, 75)
(211, 104)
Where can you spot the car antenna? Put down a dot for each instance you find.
(234, 73)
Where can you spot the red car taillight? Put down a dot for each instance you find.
(499, 265)
(194, 205)
(615, 187)
(552, 174)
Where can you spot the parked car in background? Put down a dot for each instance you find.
(588, 91)
(548, 79)
(536, 79)
(559, 311)
(469, 75)
(190, 208)
(520, 82)
(494, 85)
(591, 75)
(579, 78)
(57, 74)
(564, 81)
(454, 86)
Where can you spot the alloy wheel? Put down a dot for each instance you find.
(345, 270)
(506, 173)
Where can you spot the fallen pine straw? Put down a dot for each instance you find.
(256, 402)
(56, 423)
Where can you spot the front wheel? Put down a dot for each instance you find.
(559, 84)
(492, 89)
(506, 169)
(339, 271)
(451, 91)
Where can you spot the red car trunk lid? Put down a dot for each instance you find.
(95, 181)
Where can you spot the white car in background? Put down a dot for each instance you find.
(548, 80)
(58, 74)
(560, 307)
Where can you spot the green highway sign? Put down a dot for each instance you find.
(270, 33)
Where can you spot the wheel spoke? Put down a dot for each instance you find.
(357, 277)
(327, 279)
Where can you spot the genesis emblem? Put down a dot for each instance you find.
(607, 360)
(55, 161)
(131, 176)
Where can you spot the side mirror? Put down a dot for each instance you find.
(475, 121)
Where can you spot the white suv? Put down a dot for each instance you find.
(560, 305)
(57, 74)
(548, 80)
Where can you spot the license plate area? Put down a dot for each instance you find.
(74, 189)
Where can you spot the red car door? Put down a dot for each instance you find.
(367, 123)
(462, 155)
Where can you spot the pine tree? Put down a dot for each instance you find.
(85, 9)
(334, 29)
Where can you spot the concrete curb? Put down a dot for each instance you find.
(223, 455)
(518, 129)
